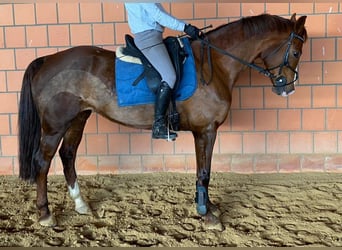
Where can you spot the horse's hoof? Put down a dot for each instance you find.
(48, 221)
(211, 222)
(85, 210)
(214, 210)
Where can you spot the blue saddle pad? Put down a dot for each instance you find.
(139, 94)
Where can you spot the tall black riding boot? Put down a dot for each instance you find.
(160, 129)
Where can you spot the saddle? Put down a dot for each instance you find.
(153, 79)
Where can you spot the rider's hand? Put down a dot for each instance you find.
(192, 31)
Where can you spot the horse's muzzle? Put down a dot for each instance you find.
(281, 87)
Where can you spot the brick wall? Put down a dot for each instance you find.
(264, 132)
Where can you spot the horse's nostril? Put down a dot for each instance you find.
(280, 81)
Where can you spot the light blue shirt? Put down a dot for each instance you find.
(151, 16)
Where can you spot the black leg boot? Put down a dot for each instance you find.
(160, 129)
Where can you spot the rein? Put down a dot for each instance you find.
(266, 72)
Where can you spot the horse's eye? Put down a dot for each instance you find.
(296, 54)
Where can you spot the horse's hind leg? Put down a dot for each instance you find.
(42, 159)
(67, 152)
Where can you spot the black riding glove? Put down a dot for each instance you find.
(192, 31)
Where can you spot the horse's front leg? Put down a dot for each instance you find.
(204, 144)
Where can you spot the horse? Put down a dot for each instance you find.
(60, 91)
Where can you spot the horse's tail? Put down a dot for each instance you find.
(29, 127)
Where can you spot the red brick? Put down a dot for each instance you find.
(91, 125)
(68, 12)
(301, 143)
(6, 164)
(242, 164)
(274, 101)
(289, 119)
(313, 119)
(7, 64)
(153, 163)
(9, 145)
(15, 37)
(334, 119)
(24, 14)
(325, 142)
(107, 126)
(36, 36)
(97, 144)
(266, 164)
(59, 35)
(8, 103)
(190, 161)
(182, 10)
(334, 25)
(228, 9)
(278, 8)
(14, 80)
(254, 143)
(140, 144)
(333, 163)
(252, 97)
(103, 33)
(289, 163)
(86, 165)
(205, 10)
(266, 120)
(301, 98)
(108, 164)
(163, 147)
(277, 143)
(130, 164)
(242, 120)
(113, 12)
(313, 163)
(323, 8)
(332, 72)
(323, 49)
(118, 143)
(221, 163)
(4, 128)
(90, 12)
(24, 57)
(324, 96)
(315, 25)
(310, 73)
(251, 9)
(185, 143)
(175, 163)
(80, 34)
(121, 29)
(46, 13)
(301, 8)
(230, 143)
(6, 13)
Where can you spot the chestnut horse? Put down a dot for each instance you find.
(61, 90)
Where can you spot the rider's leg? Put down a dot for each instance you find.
(152, 46)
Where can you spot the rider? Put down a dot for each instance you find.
(147, 22)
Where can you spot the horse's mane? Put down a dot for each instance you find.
(259, 25)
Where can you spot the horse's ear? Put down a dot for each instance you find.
(299, 26)
(293, 17)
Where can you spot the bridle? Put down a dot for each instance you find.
(279, 82)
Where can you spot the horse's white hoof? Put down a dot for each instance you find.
(49, 221)
(84, 209)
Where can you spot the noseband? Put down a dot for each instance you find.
(279, 81)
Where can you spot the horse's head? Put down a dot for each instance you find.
(282, 59)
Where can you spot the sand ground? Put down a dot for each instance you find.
(158, 210)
